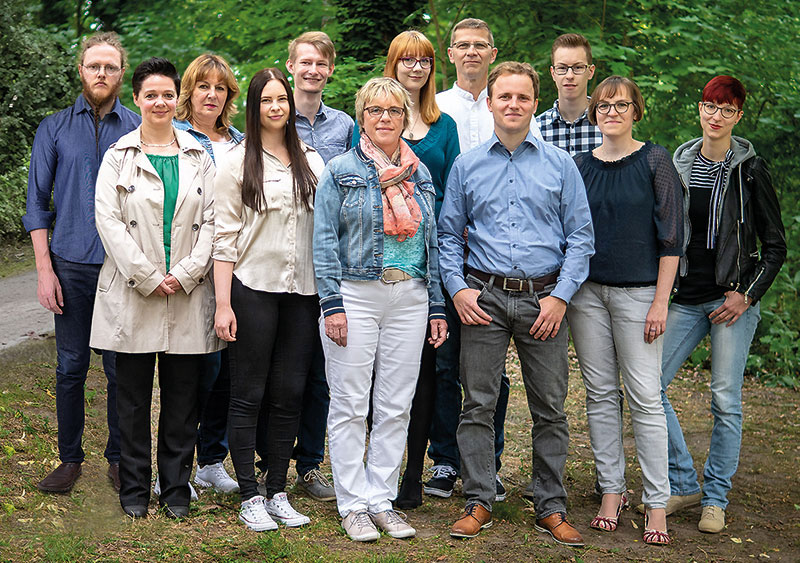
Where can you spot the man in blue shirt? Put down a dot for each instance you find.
(66, 155)
(330, 132)
(529, 232)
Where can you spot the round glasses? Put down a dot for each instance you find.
(378, 111)
(109, 70)
(410, 62)
(711, 109)
(605, 107)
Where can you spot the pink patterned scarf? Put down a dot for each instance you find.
(401, 212)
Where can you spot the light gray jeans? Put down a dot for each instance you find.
(608, 332)
(545, 372)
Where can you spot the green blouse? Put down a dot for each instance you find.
(167, 169)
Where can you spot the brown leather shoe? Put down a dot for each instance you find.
(113, 474)
(562, 531)
(474, 519)
(61, 479)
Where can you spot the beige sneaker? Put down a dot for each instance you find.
(713, 520)
(359, 526)
(677, 502)
(393, 524)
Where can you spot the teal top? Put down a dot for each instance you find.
(437, 150)
(167, 169)
(409, 255)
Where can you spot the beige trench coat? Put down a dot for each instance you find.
(129, 212)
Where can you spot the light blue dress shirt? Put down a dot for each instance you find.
(330, 135)
(525, 212)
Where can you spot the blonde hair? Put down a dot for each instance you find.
(513, 67)
(319, 40)
(104, 38)
(472, 23)
(413, 43)
(382, 86)
(202, 68)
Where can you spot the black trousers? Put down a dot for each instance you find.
(178, 378)
(269, 362)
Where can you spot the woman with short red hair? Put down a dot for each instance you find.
(731, 206)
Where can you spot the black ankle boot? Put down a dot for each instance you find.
(410, 494)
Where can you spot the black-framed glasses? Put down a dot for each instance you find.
(377, 111)
(410, 62)
(727, 112)
(579, 68)
(477, 45)
(110, 70)
(605, 107)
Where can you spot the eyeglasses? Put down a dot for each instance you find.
(378, 111)
(579, 68)
(711, 109)
(605, 107)
(465, 45)
(110, 70)
(410, 62)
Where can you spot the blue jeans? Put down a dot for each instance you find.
(310, 449)
(686, 327)
(444, 449)
(213, 397)
(73, 327)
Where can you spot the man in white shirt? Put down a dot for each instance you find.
(471, 50)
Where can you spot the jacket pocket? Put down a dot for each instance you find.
(106, 278)
(353, 186)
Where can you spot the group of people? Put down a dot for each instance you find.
(313, 275)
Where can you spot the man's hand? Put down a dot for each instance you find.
(336, 328)
(438, 332)
(470, 313)
(49, 291)
(730, 311)
(548, 322)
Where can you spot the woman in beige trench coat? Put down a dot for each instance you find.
(155, 298)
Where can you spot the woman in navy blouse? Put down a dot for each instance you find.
(620, 312)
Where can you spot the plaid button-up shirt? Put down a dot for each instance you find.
(578, 136)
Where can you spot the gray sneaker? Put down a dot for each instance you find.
(359, 526)
(316, 485)
(393, 524)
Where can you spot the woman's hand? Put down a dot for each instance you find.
(225, 323)
(173, 283)
(164, 289)
(729, 312)
(336, 328)
(438, 332)
(656, 321)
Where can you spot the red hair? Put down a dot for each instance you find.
(725, 90)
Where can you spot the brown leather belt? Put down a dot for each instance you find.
(516, 284)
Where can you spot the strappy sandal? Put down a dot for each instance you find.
(609, 523)
(654, 537)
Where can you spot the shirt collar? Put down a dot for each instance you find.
(557, 112)
(529, 140)
(82, 104)
(322, 112)
(467, 95)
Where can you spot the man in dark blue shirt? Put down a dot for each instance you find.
(67, 152)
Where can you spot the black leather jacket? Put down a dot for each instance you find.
(749, 211)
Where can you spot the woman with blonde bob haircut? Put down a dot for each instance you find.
(433, 137)
(377, 267)
(205, 106)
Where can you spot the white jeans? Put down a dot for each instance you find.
(607, 326)
(386, 326)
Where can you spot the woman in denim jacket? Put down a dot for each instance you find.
(376, 263)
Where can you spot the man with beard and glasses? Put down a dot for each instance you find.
(66, 155)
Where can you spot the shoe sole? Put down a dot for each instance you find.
(208, 485)
(403, 535)
(317, 497)
(291, 523)
(538, 528)
(259, 527)
(365, 537)
(500, 498)
(462, 535)
(441, 493)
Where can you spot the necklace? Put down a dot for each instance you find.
(410, 128)
(172, 142)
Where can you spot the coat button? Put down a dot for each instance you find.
(195, 227)
(201, 280)
(131, 283)
(130, 189)
(133, 223)
(200, 191)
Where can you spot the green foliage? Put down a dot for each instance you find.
(367, 27)
(13, 187)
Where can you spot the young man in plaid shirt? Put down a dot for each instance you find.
(566, 124)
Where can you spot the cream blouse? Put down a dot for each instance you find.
(272, 250)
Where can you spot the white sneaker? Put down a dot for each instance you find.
(359, 526)
(214, 475)
(254, 514)
(393, 524)
(280, 509)
(157, 490)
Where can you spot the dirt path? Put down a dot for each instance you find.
(22, 318)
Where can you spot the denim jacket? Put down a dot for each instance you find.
(203, 139)
(348, 229)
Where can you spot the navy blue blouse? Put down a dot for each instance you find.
(637, 214)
